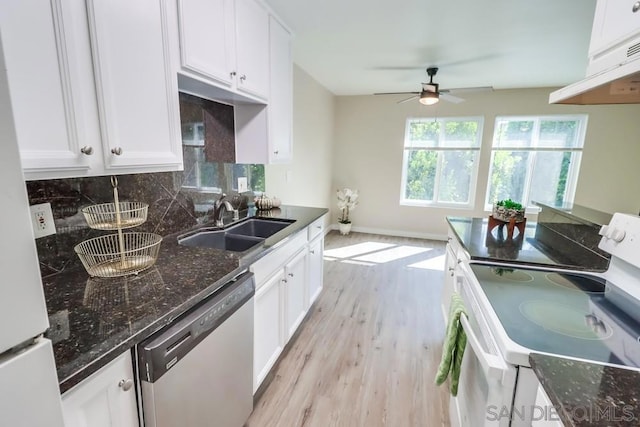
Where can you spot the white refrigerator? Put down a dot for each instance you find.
(29, 394)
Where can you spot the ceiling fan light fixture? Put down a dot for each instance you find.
(429, 98)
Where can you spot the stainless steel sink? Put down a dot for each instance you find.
(237, 238)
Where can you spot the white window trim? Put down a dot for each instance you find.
(572, 177)
(474, 173)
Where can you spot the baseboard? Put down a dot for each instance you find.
(398, 233)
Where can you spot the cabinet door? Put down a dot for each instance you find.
(37, 63)
(280, 107)
(614, 22)
(295, 295)
(206, 38)
(449, 278)
(136, 86)
(316, 249)
(105, 399)
(268, 330)
(252, 48)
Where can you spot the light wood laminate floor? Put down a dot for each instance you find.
(368, 352)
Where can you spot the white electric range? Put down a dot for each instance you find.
(514, 310)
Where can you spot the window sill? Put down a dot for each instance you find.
(420, 204)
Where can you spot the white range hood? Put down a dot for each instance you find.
(619, 85)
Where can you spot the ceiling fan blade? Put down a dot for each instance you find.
(468, 89)
(397, 93)
(416, 96)
(451, 98)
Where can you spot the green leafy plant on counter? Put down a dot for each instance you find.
(509, 204)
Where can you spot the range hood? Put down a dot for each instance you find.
(619, 85)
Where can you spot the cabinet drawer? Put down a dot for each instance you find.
(316, 227)
(267, 265)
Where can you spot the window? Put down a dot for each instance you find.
(440, 161)
(535, 159)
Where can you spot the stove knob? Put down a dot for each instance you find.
(618, 235)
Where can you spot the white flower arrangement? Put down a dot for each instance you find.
(347, 201)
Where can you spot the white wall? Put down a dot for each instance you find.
(309, 182)
(368, 155)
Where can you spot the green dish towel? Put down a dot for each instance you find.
(453, 347)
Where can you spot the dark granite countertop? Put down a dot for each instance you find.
(95, 320)
(589, 394)
(583, 214)
(524, 250)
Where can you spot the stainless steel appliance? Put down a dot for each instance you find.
(199, 371)
(513, 311)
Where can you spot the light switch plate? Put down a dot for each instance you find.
(242, 184)
(42, 220)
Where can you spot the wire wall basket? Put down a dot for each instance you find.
(120, 254)
(104, 216)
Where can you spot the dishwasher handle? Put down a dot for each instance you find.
(165, 349)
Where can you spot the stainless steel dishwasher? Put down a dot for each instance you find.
(198, 371)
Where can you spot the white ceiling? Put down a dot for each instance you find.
(357, 47)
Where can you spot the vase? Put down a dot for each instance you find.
(345, 228)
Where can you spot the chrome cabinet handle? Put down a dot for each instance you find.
(243, 77)
(284, 280)
(636, 7)
(276, 152)
(290, 274)
(312, 252)
(117, 151)
(126, 384)
(87, 150)
(232, 74)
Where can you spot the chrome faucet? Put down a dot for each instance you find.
(219, 207)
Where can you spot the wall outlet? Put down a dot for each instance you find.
(242, 184)
(42, 220)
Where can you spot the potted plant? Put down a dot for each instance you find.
(505, 210)
(347, 201)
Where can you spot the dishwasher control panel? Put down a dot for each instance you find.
(165, 349)
(211, 318)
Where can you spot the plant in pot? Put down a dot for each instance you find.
(505, 210)
(347, 201)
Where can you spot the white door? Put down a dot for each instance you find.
(316, 249)
(29, 388)
(136, 86)
(252, 48)
(268, 334)
(295, 295)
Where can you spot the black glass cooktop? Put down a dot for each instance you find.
(560, 313)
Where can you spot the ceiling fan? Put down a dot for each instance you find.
(431, 93)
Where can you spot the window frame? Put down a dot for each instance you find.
(406, 148)
(574, 168)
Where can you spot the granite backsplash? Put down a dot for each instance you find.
(175, 204)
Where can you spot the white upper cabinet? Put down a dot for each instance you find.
(226, 43)
(615, 37)
(93, 87)
(252, 48)
(280, 109)
(39, 77)
(207, 39)
(136, 87)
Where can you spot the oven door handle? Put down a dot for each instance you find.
(492, 365)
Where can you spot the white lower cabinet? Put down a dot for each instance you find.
(544, 414)
(105, 399)
(316, 255)
(268, 327)
(288, 280)
(295, 284)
